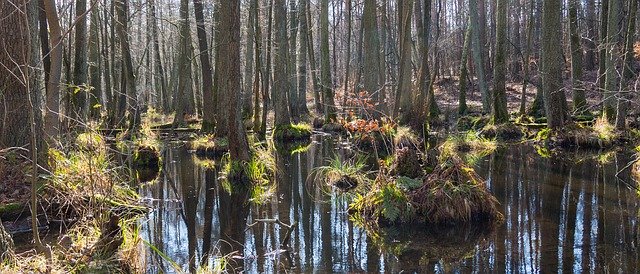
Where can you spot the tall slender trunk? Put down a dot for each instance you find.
(404, 96)
(79, 98)
(628, 71)
(371, 45)
(206, 70)
(612, 55)
(552, 68)
(478, 56)
(52, 120)
(590, 56)
(95, 69)
(464, 74)
(499, 110)
(303, 50)
(128, 71)
(281, 85)
(325, 64)
(579, 100)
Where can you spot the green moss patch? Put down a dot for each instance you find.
(292, 132)
(146, 156)
(209, 146)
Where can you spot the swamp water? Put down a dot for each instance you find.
(560, 216)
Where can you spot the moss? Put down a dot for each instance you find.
(502, 132)
(470, 146)
(209, 146)
(11, 210)
(470, 122)
(453, 193)
(407, 163)
(294, 147)
(292, 132)
(148, 157)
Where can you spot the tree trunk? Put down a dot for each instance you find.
(247, 90)
(612, 55)
(129, 78)
(94, 65)
(604, 14)
(527, 56)
(499, 110)
(371, 44)
(462, 99)
(404, 96)
(14, 74)
(477, 49)
(579, 100)
(291, 63)
(79, 98)
(230, 78)
(161, 83)
(590, 58)
(325, 64)
(52, 121)
(312, 63)
(281, 84)
(553, 64)
(628, 71)
(206, 70)
(303, 50)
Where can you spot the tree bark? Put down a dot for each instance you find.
(129, 77)
(628, 70)
(371, 56)
(79, 98)
(303, 50)
(590, 56)
(552, 64)
(464, 72)
(325, 64)
(612, 55)
(230, 78)
(404, 96)
(208, 112)
(478, 56)
(281, 84)
(500, 113)
(52, 120)
(579, 100)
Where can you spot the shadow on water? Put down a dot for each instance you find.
(559, 216)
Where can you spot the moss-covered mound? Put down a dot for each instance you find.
(209, 146)
(407, 163)
(292, 132)
(503, 132)
(600, 135)
(146, 157)
(345, 174)
(293, 147)
(454, 193)
(470, 122)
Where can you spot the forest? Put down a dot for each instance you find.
(224, 136)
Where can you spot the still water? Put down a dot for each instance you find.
(561, 215)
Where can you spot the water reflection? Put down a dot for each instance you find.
(559, 217)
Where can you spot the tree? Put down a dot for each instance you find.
(462, 101)
(95, 80)
(281, 83)
(579, 100)
(15, 46)
(628, 71)
(79, 98)
(500, 113)
(612, 55)
(325, 64)
(554, 98)
(303, 50)
(371, 44)
(205, 69)
(52, 114)
(478, 56)
(292, 96)
(404, 98)
(129, 80)
(230, 77)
